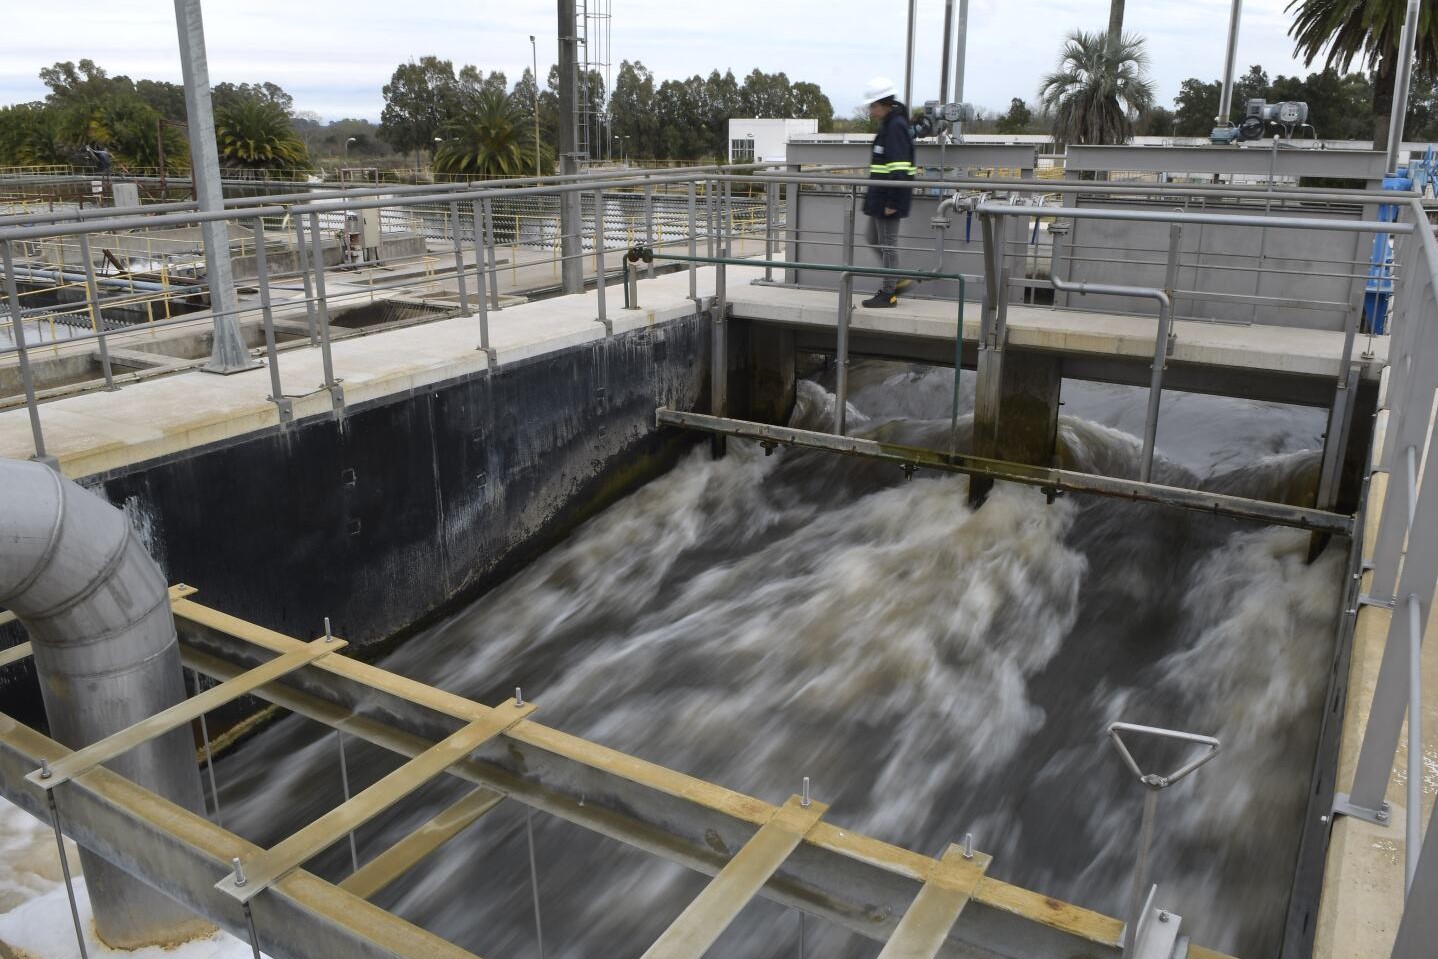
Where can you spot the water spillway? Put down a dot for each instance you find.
(935, 670)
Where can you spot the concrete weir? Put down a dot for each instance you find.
(436, 478)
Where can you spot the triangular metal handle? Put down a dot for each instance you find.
(1150, 779)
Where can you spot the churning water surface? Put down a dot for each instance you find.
(934, 670)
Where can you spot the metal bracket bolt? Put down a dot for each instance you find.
(240, 879)
(518, 696)
(45, 769)
(804, 799)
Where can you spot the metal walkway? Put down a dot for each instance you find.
(917, 906)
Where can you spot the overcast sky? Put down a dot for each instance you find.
(335, 56)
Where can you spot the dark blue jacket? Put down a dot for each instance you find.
(892, 160)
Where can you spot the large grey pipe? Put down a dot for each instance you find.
(1407, 41)
(1225, 101)
(97, 611)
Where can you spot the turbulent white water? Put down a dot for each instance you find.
(935, 670)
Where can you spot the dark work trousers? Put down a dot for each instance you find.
(884, 237)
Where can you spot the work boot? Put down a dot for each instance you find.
(881, 299)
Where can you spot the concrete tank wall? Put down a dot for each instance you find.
(383, 519)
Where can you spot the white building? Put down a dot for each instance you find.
(758, 140)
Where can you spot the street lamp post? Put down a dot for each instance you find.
(347, 148)
(534, 55)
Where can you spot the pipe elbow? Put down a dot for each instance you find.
(74, 573)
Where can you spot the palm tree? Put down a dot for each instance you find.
(1365, 30)
(492, 137)
(1100, 88)
(30, 135)
(1115, 19)
(256, 135)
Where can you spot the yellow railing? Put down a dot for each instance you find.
(43, 169)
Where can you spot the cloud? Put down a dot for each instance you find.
(334, 57)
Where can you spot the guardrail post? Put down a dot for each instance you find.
(337, 396)
(302, 258)
(489, 247)
(693, 243)
(97, 316)
(719, 367)
(599, 277)
(27, 378)
(459, 258)
(649, 221)
(846, 308)
(770, 206)
(262, 272)
(1160, 354)
(710, 222)
(482, 281)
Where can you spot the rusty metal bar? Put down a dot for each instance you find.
(1279, 514)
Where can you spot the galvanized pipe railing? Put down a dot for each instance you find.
(308, 192)
(1403, 581)
(1161, 349)
(846, 275)
(310, 249)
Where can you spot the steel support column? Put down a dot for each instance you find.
(1225, 100)
(228, 354)
(1407, 42)
(571, 219)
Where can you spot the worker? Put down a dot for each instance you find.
(888, 202)
(101, 156)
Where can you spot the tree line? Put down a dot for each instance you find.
(471, 121)
(1339, 107)
(470, 124)
(89, 116)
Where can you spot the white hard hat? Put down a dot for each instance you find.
(879, 88)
